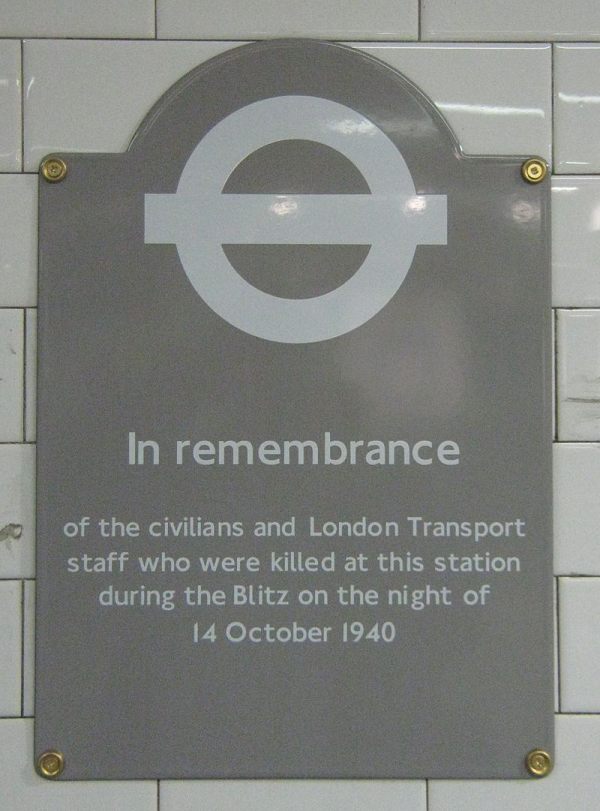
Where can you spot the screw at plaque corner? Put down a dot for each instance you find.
(53, 169)
(51, 764)
(534, 170)
(539, 763)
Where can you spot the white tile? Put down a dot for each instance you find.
(10, 648)
(17, 510)
(293, 795)
(554, 415)
(28, 647)
(576, 508)
(328, 19)
(575, 241)
(10, 105)
(577, 108)
(510, 20)
(11, 375)
(556, 659)
(578, 375)
(30, 374)
(22, 790)
(85, 18)
(579, 624)
(573, 784)
(496, 98)
(107, 89)
(18, 240)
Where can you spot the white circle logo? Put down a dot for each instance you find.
(199, 219)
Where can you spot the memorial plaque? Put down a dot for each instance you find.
(294, 437)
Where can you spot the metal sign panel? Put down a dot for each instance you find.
(294, 438)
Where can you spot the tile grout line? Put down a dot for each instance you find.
(13, 579)
(32, 580)
(24, 717)
(427, 795)
(16, 442)
(370, 39)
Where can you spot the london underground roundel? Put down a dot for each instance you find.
(392, 219)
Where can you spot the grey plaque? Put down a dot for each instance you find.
(294, 438)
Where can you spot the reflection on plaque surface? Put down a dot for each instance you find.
(294, 437)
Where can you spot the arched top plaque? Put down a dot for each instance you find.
(294, 437)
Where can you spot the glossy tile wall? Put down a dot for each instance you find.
(520, 78)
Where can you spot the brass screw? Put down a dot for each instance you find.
(534, 170)
(54, 169)
(51, 764)
(539, 763)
